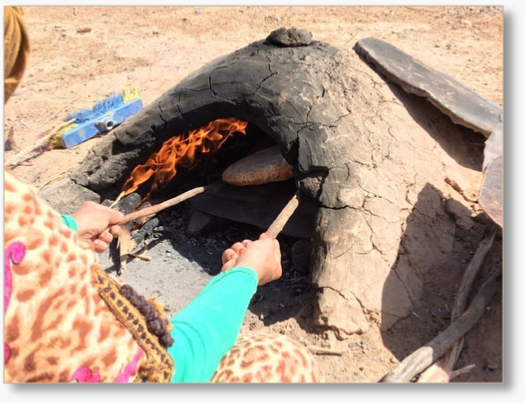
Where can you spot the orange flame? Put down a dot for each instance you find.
(182, 152)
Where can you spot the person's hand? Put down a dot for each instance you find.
(263, 256)
(96, 224)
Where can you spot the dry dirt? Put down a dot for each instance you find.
(81, 54)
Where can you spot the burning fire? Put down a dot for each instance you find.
(181, 151)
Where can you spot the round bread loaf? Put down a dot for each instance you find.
(264, 166)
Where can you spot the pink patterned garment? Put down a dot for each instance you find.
(55, 322)
(85, 375)
(14, 252)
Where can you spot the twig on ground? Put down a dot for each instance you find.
(417, 316)
(441, 371)
(324, 351)
(140, 256)
(15, 159)
(422, 358)
(461, 371)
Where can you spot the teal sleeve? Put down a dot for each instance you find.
(69, 221)
(209, 325)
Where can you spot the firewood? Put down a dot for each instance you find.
(442, 370)
(125, 245)
(146, 258)
(325, 351)
(15, 159)
(423, 357)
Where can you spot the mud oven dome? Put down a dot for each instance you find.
(369, 173)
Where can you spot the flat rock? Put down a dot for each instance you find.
(463, 105)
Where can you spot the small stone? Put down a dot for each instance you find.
(491, 365)
(292, 37)
(274, 18)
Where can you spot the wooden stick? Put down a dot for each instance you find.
(164, 205)
(15, 159)
(445, 365)
(326, 351)
(146, 258)
(283, 217)
(422, 358)
(464, 370)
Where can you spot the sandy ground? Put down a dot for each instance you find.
(81, 54)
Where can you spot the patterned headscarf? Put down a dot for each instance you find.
(16, 49)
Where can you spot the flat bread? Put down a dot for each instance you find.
(264, 166)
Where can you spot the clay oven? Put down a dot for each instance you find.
(371, 163)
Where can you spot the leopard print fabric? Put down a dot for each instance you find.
(60, 327)
(268, 358)
(56, 326)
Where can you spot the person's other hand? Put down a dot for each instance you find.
(263, 256)
(96, 224)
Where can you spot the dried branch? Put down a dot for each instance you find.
(422, 358)
(325, 351)
(461, 371)
(16, 158)
(146, 258)
(441, 371)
